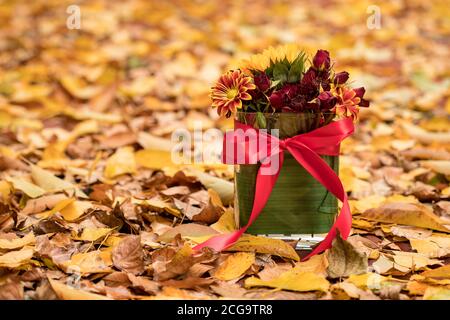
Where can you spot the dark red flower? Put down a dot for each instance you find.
(309, 85)
(321, 60)
(262, 81)
(276, 99)
(360, 94)
(341, 78)
(327, 100)
(290, 90)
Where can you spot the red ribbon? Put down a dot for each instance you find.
(306, 149)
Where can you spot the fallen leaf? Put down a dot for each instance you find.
(75, 209)
(121, 162)
(51, 183)
(407, 214)
(18, 242)
(30, 189)
(191, 230)
(11, 291)
(439, 166)
(225, 189)
(226, 222)
(14, 259)
(65, 292)
(249, 243)
(292, 280)
(234, 266)
(93, 234)
(154, 159)
(433, 293)
(344, 259)
(87, 263)
(43, 203)
(128, 255)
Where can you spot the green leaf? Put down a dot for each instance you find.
(261, 120)
(280, 72)
(296, 69)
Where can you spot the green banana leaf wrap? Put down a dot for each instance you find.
(298, 204)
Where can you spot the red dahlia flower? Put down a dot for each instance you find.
(229, 91)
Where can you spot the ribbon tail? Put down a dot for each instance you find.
(320, 170)
(264, 185)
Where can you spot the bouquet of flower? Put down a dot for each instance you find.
(281, 79)
(312, 109)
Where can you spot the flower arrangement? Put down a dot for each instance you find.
(282, 79)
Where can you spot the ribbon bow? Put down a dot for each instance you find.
(306, 149)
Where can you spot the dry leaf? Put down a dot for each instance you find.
(65, 292)
(14, 259)
(121, 162)
(234, 266)
(18, 242)
(344, 260)
(128, 255)
(249, 243)
(292, 280)
(407, 214)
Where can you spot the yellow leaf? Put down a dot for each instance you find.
(292, 280)
(75, 209)
(151, 142)
(366, 280)
(90, 262)
(192, 231)
(426, 136)
(5, 190)
(366, 203)
(30, 189)
(65, 292)
(438, 273)
(317, 264)
(407, 214)
(17, 243)
(154, 159)
(57, 208)
(259, 244)
(405, 261)
(121, 162)
(49, 182)
(436, 293)
(226, 222)
(234, 266)
(160, 205)
(14, 259)
(78, 89)
(93, 234)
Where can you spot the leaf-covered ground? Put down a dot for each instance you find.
(92, 208)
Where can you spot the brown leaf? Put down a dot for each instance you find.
(188, 283)
(128, 255)
(11, 291)
(143, 283)
(344, 259)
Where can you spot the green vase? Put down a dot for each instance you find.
(298, 204)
